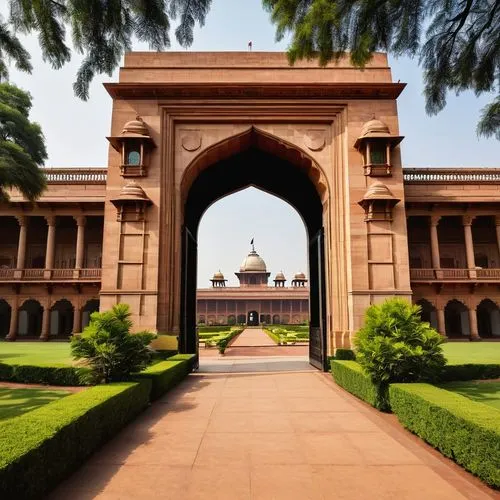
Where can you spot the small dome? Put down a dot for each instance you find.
(375, 128)
(133, 192)
(280, 277)
(253, 262)
(135, 127)
(218, 276)
(378, 191)
(300, 276)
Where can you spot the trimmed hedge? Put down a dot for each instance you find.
(345, 354)
(350, 376)
(462, 429)
(166, 374)
(40, 448)
(46, 374)
(470, 371)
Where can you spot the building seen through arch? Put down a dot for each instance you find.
(256, 301)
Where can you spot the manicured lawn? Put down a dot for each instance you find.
(482, 391)
(472, 352)
(14, 402)
(25, 353)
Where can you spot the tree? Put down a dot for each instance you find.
(394, 345)
(457, 41)
(22, 145)
(107, 345)
(101, 30)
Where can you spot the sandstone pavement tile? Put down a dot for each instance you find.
(397, 482)
(378, 448)
(199, 408)
(233, 404)
(179, 423)
(353, 422)
(328, 448)
(331, 404)
(267, 404)
(277, 422)
(218, 482)
(312, 422)
(229, 422)
(284, 482)
(224, 449)
(275, 449)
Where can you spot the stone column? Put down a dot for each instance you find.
(436, 259)
(474, 333)
(51, 245)
(21, 248)
(77, 319)
(45, 322)
(14, 315)
(469, 244)
(80, 243)
(441, 323)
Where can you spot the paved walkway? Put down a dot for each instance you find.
(267, 436)
(251, 337)
(266, 363)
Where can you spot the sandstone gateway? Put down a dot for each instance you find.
(189, 128)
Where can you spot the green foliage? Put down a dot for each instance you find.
(466, 431)
(350, 376)
(40, 448)
(484, 392)
(394, 345)
(22, 145)
(458, 51)
(214, 329)
(108, 346)
(46, 374)
(101, 31)
(345, 354)
(470, 371)
(165, 375)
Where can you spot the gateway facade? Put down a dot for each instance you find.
(190, 128)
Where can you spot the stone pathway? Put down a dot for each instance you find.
(267, 436)
(251, 337)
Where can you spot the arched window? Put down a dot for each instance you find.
(133, 157)
(488, 319)
(61, 318)
(456, 319)
(427, 312)
(5, 312)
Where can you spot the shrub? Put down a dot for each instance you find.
(165, 375)
(394, 345)
(350, 376)
(108, 346)
(470, 372)
(40, 448)
(345, 354)
(462, 429)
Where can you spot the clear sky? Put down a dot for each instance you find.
(75, 132)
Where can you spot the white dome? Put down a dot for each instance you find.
(253, 262)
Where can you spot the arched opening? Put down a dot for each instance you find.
(5, 312)
(456, 319)
(90, 307)
(488, 319)
(61, 318)
(428, 312)
(276, 319)
(252, 318)
(30, 319)
(255, 159)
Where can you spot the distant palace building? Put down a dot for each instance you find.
(254, 301)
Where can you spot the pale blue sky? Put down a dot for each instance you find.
(76, 130)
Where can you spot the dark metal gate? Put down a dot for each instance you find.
(188, 339)
(317, 302)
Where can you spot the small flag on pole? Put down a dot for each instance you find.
(251, 243)
(250, 45)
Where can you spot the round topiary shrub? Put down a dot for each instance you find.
(395, 345)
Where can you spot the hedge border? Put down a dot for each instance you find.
(63, 375)
(350, 376)
(460, 428)
(40, 448)
(470, 371)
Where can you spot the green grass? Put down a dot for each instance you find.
(26, 353)
(15, 402)
(483, 392)
(472, 352)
